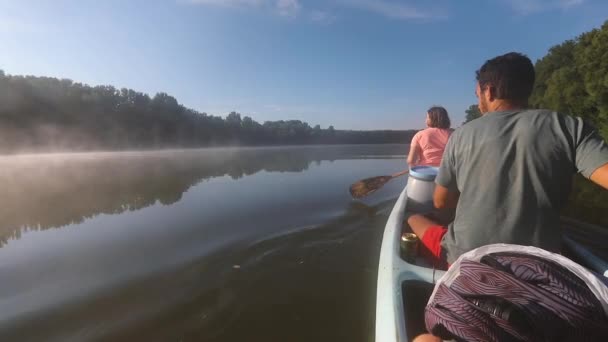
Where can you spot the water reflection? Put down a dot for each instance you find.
(47, 191)
(272, 256)
(283, 285)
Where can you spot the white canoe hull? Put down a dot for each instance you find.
(392, 272)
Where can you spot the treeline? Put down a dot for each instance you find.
(42, 113)
(573, 78)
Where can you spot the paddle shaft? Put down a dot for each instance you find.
(367, 186)
(398, 174)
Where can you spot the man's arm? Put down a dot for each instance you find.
(600, 176)
(591, 156)
(446, 188)
(444, 198)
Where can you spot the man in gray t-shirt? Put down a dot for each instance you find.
(509, 172)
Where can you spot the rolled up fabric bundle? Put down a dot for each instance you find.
(517, 293)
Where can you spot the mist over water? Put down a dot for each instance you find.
(251, 244)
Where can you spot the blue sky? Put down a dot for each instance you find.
(354, 64)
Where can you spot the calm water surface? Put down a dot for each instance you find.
(257, 244)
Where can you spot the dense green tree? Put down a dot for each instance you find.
(573, 78)
(234, 119)
(472, 113)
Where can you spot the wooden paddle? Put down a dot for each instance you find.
(367, 186)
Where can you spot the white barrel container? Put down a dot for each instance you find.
(420, 188)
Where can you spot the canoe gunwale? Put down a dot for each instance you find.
(392, 272)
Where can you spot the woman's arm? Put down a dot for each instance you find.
(412, 158)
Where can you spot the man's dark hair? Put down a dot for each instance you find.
(438, 117)
(511, 75)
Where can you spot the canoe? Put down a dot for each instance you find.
(403, 288)
(586, 244)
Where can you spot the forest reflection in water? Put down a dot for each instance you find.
(215, 244)
(50, 191)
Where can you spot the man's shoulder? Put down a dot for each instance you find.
(521, 115)
(470, 127)
(550, 117)
(482, 121)
(542, 112)
(548, 113)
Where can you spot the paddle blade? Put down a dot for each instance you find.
(367, 186)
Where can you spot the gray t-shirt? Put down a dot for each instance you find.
(514, 173)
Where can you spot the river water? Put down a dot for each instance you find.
(253, 244)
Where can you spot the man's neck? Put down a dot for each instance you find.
(503, 106)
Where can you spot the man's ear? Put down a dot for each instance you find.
(491, 91)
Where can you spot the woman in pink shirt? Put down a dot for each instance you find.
(427, 145)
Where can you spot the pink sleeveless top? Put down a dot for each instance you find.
(431, 143)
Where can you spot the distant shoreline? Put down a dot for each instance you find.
(180, 149)
(45, 114)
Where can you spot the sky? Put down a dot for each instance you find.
(353, 64)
